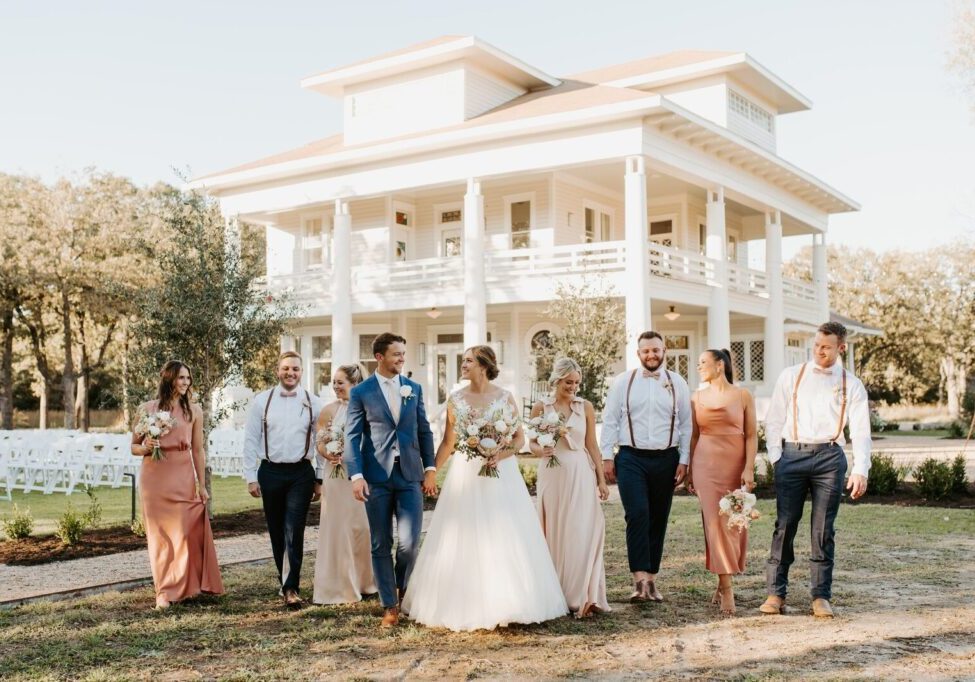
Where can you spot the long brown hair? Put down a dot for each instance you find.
(167, 388)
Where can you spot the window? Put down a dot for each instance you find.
(366, 358)
(662, 232)
(702, 239)
(748, 358)
(312, 244)
(540, 343)
(403, 218)
(449, 231)
(520, 213)
(599, 224)
(678, 354)
(321, 363)
(732, 248)
(751, 112)
(399, 250)
(451, 216)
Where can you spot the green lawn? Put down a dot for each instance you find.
(229, 495)
(903, 589)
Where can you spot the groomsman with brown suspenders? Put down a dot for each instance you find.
(811, 405)
(280, 467)
(648, 418)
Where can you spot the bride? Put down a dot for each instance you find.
(484, 561)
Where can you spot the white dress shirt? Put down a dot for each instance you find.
(651, 407)
(820, 400)
(287, 429)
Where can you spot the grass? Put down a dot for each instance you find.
(913, 553)
(229, 495)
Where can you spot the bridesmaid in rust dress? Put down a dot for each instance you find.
(723, 446)
(569, 494)
(181, 551)
(343, 564)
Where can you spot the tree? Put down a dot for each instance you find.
(594, 333)
(207, 309)
(961, 58)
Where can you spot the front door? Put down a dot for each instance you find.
(449, 358)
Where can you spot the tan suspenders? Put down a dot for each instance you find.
(795, 407)
(311, 424)
(673, 409)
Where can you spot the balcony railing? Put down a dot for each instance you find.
(601, 257)
(669, 263)
(746, 280)
(411, 274)
(793, 288)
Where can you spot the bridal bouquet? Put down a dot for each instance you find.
(154, 425)
(739, 507)
(333, 440)
(547, 430)
(486, 435)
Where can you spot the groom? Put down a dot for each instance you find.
(389, 452)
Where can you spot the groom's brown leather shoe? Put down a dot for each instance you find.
(292, 600)
(773, 605)
(821, 608)
(390, 617)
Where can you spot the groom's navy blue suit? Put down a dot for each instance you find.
(391, 455)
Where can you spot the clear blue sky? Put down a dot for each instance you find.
(138, 88)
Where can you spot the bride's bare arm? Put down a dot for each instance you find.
(446, 448)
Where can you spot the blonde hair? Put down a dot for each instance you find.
(562, 368)
(353, 373)
(484, 356)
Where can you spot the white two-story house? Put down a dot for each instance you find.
(467, 184)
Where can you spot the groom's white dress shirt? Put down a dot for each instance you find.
(651, 406)
(815, 418)
(287, 429)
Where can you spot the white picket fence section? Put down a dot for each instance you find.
(60, 461)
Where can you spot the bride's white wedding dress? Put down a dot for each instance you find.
(484, 561)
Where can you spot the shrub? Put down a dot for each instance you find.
(529, 474)
(762, 442)
(934, 479)
(877, 423)
(20, 524)
(957, 429)
(93, 516)
(885, 476)
(138, 527)
(959, 477)
(70, 526)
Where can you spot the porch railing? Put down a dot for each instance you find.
(552, 261)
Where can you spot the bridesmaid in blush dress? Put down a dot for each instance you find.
(343, 564)
(181, 551)
(723, 447)
(569, 494)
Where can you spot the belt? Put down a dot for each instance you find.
(182, 447)
(300, 462)
(649, 453)
(811, 446)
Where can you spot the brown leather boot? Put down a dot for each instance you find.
(292, 600)
(821, 608)
(773, 605)
(390, 617)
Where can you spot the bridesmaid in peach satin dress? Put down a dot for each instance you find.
(181, 550)
(343, 563)
(723, 447)
(569, 494)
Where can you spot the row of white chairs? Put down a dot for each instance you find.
(63, 462)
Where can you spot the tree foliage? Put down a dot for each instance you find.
(593, 333)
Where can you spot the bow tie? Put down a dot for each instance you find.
(820, 370)
(647, 374)
(289, 394)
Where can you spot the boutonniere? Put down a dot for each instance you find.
(665, 385)
(406, 392)
(837, 392)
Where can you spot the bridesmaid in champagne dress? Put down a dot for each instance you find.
(343, 564)
(723, 446)
(181, 550)
(569, 493)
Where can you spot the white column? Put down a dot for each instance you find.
(343, 342)
(475, 293)
(775, 319)
(716, 249)
(820, 280)
(637, 255)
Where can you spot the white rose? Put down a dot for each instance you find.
(552, 417)
(535, 421)
(546, 440)
(750, 499)
(472, 430)
(333, 448)
(162, 416)
(154, 431)
(488, 443)
(405, 391)
(480, 423)
(501, 426)
(531, 434)
(724, 504)
(338, 424)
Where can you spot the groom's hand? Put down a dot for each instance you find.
(857, 485)
(430, 483)
(679, 476)
(360, 489)
(609, 470)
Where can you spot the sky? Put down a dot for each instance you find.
(152, 90)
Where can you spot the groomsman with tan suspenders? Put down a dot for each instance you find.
(811, 405)
(648, 418)
(279, 465)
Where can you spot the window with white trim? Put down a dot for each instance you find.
(598, 223)
(751, 112)
(748, 358)
(313, 244)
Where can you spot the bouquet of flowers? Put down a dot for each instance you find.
(486, 435)
(333, 440)
(547, 430)
(154, 425)
(739, 507)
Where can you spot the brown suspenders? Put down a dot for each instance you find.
(311, 424)
(795, 407)
(673, 411)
